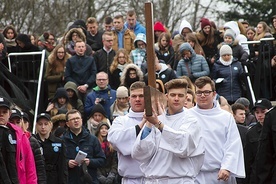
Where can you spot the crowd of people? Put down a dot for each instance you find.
(94, 129)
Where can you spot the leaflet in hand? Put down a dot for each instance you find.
(80, 156)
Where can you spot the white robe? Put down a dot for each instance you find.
(122, 135)
(223, 146)
(174, 155)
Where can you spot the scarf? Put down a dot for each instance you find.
(226, 63)
(10, 42)
(121, 67)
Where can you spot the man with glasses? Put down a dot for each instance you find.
(76, 139)
(102, 94)
(223, 147)
(105, 55)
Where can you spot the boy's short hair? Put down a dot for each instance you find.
(176, 83)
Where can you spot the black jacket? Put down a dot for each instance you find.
(89, 144)
(252, 138)
(265, 158)
(55, 160)
(39, 161)
(103, 60)
(8, 172)
(95, 42)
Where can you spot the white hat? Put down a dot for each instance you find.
(122, 92)
(225, 49)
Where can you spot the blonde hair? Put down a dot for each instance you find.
(115, 62)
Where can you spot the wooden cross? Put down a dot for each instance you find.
(152, 97)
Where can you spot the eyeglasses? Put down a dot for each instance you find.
(122, 57)
(60, 52)
(101, 79)
(206, 93)
(109, 40)
(74, 119)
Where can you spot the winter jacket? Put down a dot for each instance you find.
(8, 172)
(138, 28)
(165, 55)
(89, 144)
(165, 74)
(25, 163)
(95, 42)
(194, 67)
(39, 159)
(128, 40)
(55, 159)
(108, 94)
(54, 73)
(265, 158)
(81, 70)
(103, 60)
(232, 75)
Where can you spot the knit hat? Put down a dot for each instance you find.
(243, 101)
(122, 92)
(231, 33)
(158, 26)
(205, 22)
(99, 127)
(225, 49)
(23, 38)
(98, 108)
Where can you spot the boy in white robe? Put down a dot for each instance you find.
(170, 146)
(122, 135)
(223, 159)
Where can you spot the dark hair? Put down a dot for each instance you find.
(108, 20)
(131, 13)
(73, 111)
(191, 92)
(202, 81)
(119, 17)
(5, 31)
(237, 106)
(91, 20)
(176, 83)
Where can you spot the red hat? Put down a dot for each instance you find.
(158, 26)
(205, 22)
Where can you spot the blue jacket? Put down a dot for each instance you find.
(108, 94)
(89, 144)
(81, 70)
(230, 87)
(197, 64)
(139, 28)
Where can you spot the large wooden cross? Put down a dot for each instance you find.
(152, 96)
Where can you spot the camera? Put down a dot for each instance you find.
(102, 101)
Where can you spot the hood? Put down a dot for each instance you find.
(234, 26)
(140, 37)
(98, 108)
(187, 46)
(184, 24)
(71, 85)
(131, 66)
(163, 67)
(58, 117)
(68, 36)
(99, 127)
(61, 92)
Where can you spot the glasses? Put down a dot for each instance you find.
(109, 40)
(206, 93)
(101, 79)
(73, 35)
(74, 119)
(60, 52)
(121, 57)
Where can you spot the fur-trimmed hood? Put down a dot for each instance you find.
(68, 36)
(131, 66)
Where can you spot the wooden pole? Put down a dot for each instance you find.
(150, 45)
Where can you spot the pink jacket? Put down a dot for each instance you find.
(26, 165)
